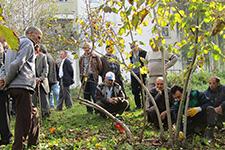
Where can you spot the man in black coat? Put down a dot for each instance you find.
(5, 133)
(137, 55)
(216, 112)
(66, 79)
(159, 96)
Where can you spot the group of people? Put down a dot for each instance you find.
(206, 110)
(92, 66)
(31, 77)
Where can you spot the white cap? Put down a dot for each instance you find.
(110, 76)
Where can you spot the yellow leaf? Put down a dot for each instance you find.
(144, 70)
(139, 30)
(10, 37)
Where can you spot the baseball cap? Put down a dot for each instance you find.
(110, 76)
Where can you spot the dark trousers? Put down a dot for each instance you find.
(152, 118)
(23, 100)
(43, 96)
(136, 90)
(64, 95)
(89, 92)
(4, 118)
(197, 123)
(114, 109)
(214, 119)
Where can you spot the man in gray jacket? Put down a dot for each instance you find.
(42, 87)
(21, 82)
(155, 66)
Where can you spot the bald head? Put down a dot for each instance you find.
(34, 34)
(214, 82)
(63, 54)
(159, 82)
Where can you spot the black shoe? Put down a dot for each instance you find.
(5, 142)
(209, 134)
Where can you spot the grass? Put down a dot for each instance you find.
(75, 129)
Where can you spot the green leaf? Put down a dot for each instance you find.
(10, 37)
(122, 30)
(135, 20)
(139, 3)
(107, 9)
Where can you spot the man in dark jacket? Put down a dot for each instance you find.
(159, 96)
(66, 74)
(137, 56)
(196, 113)
(21, 81)
(216, 112)
(52, 78)
(110, 96)
(5, 133)
(109, 64)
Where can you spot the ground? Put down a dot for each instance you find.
(74, 129)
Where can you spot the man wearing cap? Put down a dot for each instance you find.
(90, 66)
(110, 96)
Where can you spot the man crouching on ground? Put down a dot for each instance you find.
(110, 96)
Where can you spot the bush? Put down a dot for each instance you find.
(199, 80)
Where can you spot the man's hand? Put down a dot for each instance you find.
(163, 115)
(113, 100)
(191, 112)
(2, 83)
(38, 81)
(159, 91)
(219, 110)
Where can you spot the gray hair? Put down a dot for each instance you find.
(32, 29)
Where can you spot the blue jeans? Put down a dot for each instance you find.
(54, 93)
